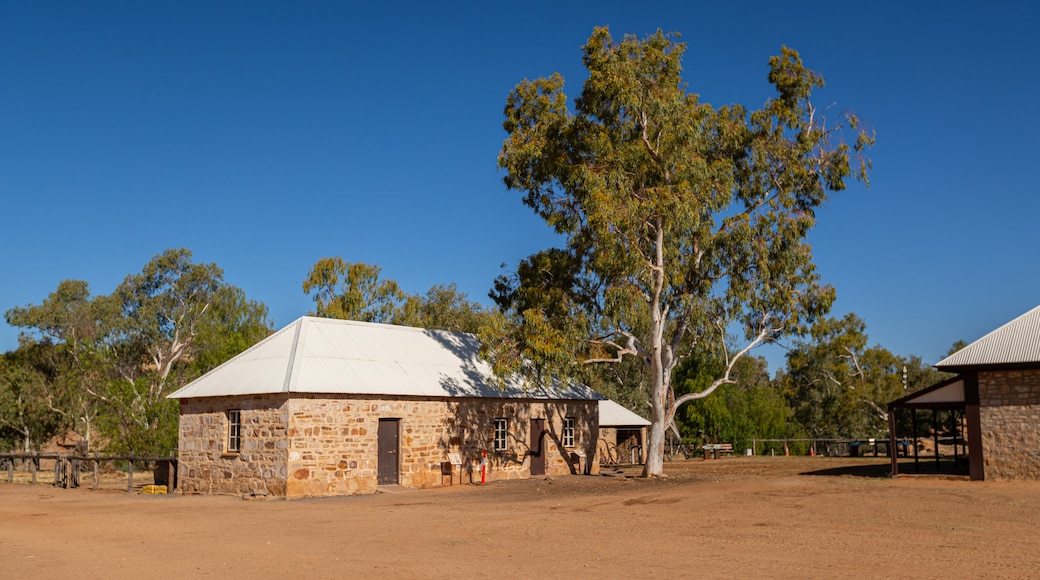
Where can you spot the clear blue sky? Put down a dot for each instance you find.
(263, 136)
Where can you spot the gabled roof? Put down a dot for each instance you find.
(949, 393)
(321, 355)
(1015, 343)
(612, 414)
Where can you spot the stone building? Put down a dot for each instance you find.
(334, 407)
(997, 388)
(622, 434)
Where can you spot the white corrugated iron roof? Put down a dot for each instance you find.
(321, 355)
(1016, 342)
(612, 414)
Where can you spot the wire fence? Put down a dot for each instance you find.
(98, 472)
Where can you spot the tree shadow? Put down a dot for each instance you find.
(884, 470)
(482, 398)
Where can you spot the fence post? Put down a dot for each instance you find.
(130, 476)
(171, 474)
(96, 474)
(32, 468)
(10, 470)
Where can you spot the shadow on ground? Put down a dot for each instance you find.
(883, 470)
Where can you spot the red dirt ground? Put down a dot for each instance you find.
(737, 517)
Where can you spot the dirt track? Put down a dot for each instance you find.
(747, 517)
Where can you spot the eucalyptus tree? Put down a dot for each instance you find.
(681, 220)
(122, 353)
(26, 418)
(63, 343)
(351, 291)
(356, 291)
(838, 385)
(443, 308)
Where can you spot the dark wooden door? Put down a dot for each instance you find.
(388, 451)
(537, 456)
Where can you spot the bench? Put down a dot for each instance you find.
(712, 450)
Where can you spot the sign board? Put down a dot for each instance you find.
(454, 459)
(579, 453)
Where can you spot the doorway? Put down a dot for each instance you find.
(537, 457)
(387, 454)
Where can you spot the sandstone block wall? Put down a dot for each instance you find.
(621, 445)
(316, 445)
(259, 468)
(1009, 413)
(334, 441)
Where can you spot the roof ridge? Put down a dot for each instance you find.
(386, 325)
(292, 354)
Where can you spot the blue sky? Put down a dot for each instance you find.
(264, 136)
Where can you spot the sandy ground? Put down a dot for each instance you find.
(736, 517)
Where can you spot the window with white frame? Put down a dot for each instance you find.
(568, 432)
(234, 432)
(500, 435)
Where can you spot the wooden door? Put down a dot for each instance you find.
(387, 454)
(537, 455)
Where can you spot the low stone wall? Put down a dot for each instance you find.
(260, 466)
(1009, 414)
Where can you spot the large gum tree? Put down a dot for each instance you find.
(681, 221)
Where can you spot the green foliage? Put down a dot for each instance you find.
(110, 361)
(354, 291)
(751, 408)
(681, 220)
(443, 308)
(351, 291)
(839, 387)
(26, 421)
(234, 323)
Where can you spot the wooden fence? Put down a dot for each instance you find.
(67, 470)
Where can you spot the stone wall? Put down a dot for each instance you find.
(316, 445)
(630, 446)
(1009, 413)
(260, 466)
(333, 441)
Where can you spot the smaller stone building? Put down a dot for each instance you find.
(332, 407)
(622, 435)
(997, 387)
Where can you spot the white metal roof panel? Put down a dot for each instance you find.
(612, 414)
(319, 355)
(1016, 342)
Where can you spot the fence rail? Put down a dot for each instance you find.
(68, 468)
(829, 447)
